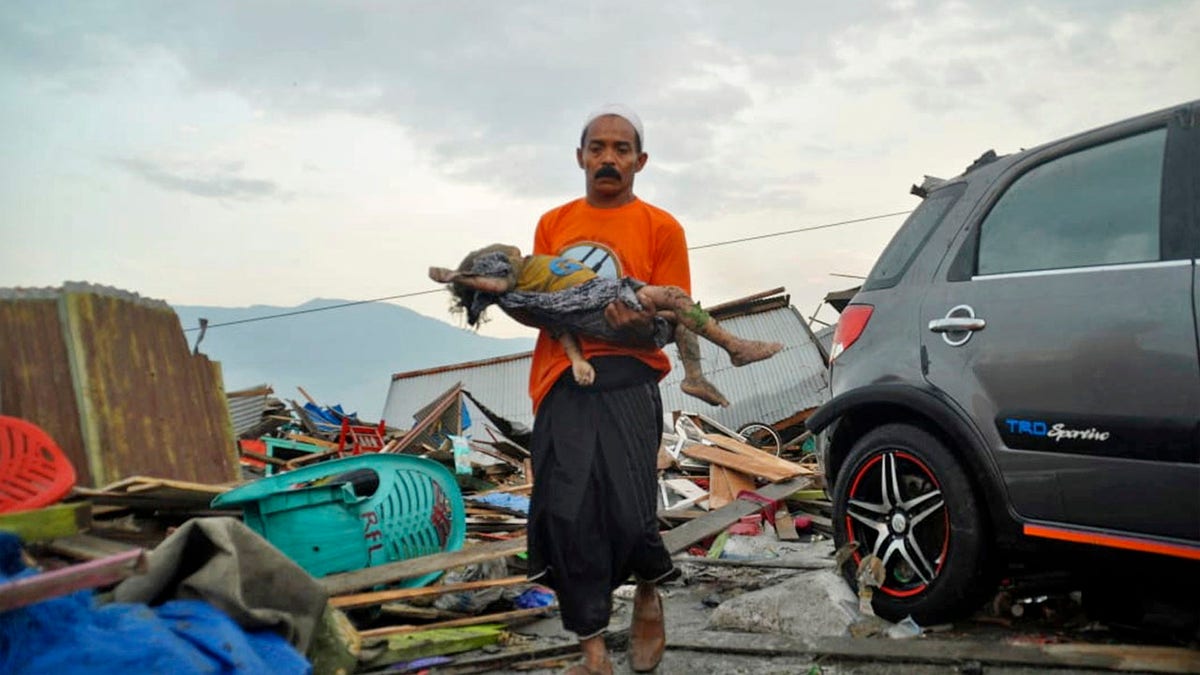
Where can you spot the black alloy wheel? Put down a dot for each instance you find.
(902, 497)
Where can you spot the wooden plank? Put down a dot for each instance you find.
(785, 526)
(681, 514)
(378, 597)
(59, 520)
(429, 643)
(715, 521)
(146, 484)
(732, 460)
(340, 584)
(501, 617)
(87, 547)
(32, 589)
(312, 440)
(810, 496)
(725, 485)
(1101, 656)
(747, 450)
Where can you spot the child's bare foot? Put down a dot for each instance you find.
(583, 372)
(442, 275)
(704, 390)
(749, 351)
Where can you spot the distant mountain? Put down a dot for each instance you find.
(345, 355)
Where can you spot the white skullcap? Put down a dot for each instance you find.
(622, 111)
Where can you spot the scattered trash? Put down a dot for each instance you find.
(904, 629)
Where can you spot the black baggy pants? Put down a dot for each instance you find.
(592, 520)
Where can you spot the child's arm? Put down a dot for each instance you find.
(580, 368)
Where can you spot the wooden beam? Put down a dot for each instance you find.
(379, 597)
(340, 584)
(747, 450)
(32, 589)
(58, 520)
(501, 617)
(715, 521)
(741, 463)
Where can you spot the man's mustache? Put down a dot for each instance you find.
(607, 172)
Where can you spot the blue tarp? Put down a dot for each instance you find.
(330, 416)
(518, 503)
(73, 634)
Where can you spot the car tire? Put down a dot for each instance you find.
(924, 524)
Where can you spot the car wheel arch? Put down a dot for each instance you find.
(858, 411)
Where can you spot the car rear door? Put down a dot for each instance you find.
(1063, 322)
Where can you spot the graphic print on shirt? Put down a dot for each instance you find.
(597, 257)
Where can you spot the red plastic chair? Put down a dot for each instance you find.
(356, 439)
(34, 472)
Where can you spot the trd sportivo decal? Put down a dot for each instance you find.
(1057, 432)
(1162, 440)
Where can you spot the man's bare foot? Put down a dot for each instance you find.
(595, 657)
(442, 275)
(749, 351)
(704, 390)
(583, 372)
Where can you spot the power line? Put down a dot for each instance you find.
(799, 229)
(316, 309)
(438, 290)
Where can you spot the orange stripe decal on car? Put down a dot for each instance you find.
(1114, 541)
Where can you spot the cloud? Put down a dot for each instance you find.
(221, 182)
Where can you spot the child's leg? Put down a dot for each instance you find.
(582, 370)
(495, 285)
(694, 382)
(691, 315)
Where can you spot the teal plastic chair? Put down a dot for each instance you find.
(347, 514)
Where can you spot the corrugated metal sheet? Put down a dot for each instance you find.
(246, 408)
(35, 375)
(501, 384)
(792, 381)
(145, 404)
(825, 337)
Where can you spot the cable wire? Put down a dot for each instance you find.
(799, 229)
(316, 309)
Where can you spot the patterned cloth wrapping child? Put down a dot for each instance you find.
(579, 309)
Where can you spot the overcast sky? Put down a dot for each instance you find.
(237, 153)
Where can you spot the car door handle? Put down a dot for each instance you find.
(954, 324)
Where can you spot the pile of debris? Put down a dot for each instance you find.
(728, 502)
(714, 483)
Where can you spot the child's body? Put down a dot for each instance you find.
(566, 297)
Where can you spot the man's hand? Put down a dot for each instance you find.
(635, 326)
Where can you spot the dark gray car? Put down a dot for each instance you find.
(1021, 365)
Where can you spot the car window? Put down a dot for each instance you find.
(911, 236)
(1098, 206)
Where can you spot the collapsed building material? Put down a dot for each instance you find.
(108, 374)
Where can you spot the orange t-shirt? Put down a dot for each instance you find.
(635, 240)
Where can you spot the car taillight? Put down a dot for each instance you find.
(849, 327)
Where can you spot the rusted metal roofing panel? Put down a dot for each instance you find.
(792, 381)
(35, 376)
(144, 403)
